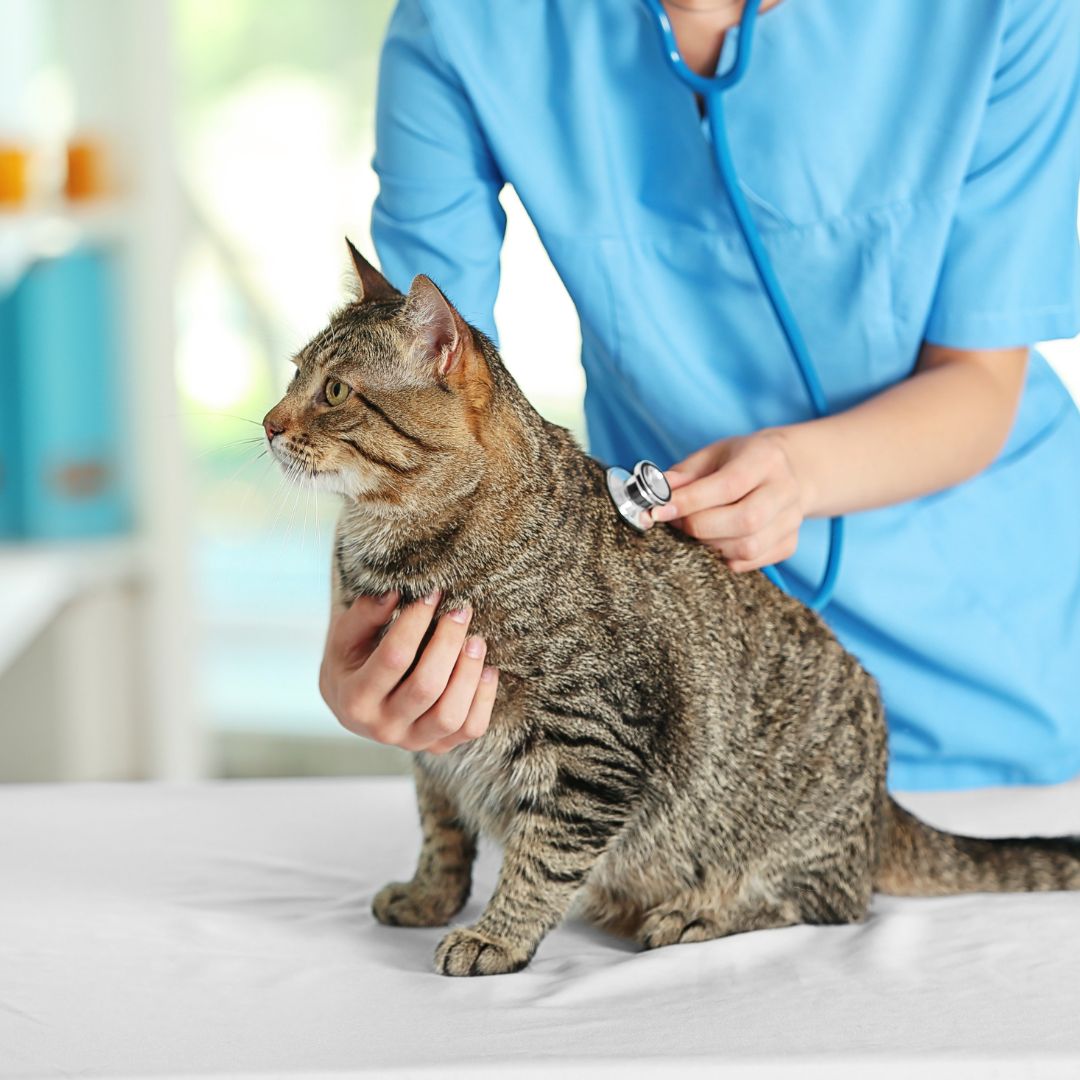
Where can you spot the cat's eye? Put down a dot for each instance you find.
(336, 391)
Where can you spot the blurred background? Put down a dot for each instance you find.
(176, 177)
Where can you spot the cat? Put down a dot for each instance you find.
(680, 751)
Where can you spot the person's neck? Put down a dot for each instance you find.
(727, 12)
(700, 25)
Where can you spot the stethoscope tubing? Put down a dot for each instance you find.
(712, 89)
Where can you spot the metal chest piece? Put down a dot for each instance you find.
(634, 493)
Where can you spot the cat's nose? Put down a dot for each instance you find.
(272, 426)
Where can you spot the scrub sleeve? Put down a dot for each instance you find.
(1011, 273)
(438, 209)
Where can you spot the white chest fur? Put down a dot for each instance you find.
(487, 779)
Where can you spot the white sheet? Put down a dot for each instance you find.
(224, 930)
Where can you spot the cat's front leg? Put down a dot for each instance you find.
(443, 877)
(547, 857)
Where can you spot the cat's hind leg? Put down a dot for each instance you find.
(831, 889)
(697, 916)
(443, 878)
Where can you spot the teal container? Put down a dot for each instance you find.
(73, 453)
(10, 471)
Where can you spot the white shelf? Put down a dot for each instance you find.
(38, 579)
(49, 230)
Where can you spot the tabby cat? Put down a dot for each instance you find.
(682, 751)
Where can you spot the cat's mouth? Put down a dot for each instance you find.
(302, 467)
(292, 462)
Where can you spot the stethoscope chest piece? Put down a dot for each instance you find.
(634, 493)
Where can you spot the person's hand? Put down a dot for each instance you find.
(740, 496)
(445, 700)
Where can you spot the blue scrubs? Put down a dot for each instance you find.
(912, 166)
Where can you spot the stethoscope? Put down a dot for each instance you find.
(647, 486)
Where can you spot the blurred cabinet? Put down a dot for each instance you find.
(67, 461)
(95, 643)
(70, 709)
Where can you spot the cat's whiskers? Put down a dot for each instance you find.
(292, 499)
(223, 416)
(318, 534)
(284, 476)
(291, 487)
(301, 502)
(303, 470)
(250, 487)
(235, 474)
(320, 342)
(314, 485)
(253, 439)
(307, 512)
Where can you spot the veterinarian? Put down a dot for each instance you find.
(912, 167)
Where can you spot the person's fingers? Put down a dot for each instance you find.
(479, 716)
(350, 637)
(783, 549)
(773, 544)
(728, 484)
(696, 465)
(751, 515)
(352, 630)
(426, 682)
(447, 716)
(476, 723)
(366, 689)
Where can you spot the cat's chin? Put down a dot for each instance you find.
(334, 481)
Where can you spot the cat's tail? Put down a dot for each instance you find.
(918, 860)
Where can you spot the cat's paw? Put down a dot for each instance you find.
(674, 927)
(465, 952)
(410, 904)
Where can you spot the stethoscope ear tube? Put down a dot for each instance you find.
(712, 89)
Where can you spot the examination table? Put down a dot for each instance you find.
(224, 930)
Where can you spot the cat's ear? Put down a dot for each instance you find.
(370, 284)
(441, 333)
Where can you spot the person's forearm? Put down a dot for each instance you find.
(939, 427)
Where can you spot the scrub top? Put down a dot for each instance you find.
(912, 166)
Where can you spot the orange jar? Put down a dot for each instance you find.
(87, 173)
(14, 175)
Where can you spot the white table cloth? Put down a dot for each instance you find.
(223, 929)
